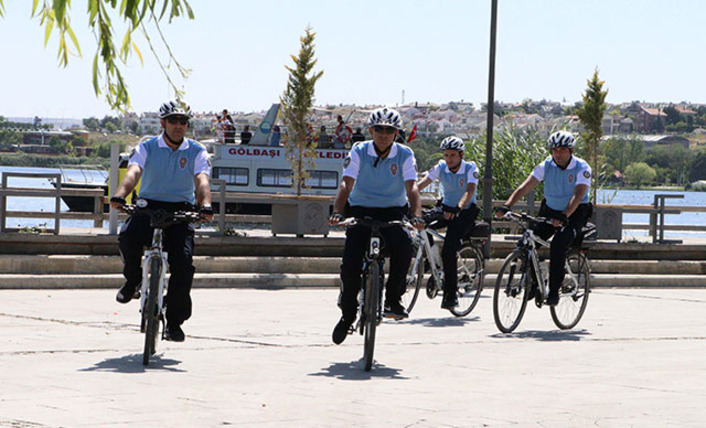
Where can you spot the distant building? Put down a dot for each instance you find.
(664, 140)
(649, 119)
(149, 123)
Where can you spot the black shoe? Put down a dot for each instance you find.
(395, 310)
(340, 332)
(449, 302)
(553, 298)
(126, 293)
(175, 333)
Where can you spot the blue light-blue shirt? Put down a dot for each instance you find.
(559, 183)
(168, 175)
(454, 184)
(383, 185)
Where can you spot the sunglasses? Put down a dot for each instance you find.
(179, 120)
(384, 129)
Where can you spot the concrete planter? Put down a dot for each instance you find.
(300, 217)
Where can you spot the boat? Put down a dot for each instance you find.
(82, 177)
(259, 168)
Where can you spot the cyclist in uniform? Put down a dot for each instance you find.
(458, 180)
(567, 179)
(175, 176)
(379, 181)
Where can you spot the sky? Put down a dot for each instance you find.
(380, 52)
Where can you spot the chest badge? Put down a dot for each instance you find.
(182, 162)
(571, 178)
(461, 182)
(393, 169)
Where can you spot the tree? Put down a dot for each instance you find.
(136, 14)
(621, 151)
(698, 167)
(673, 115)
(639, 173)
(296, 101)
(92, 124)
(591, 116)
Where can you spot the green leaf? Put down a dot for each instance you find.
(74, 40)
(47, 31)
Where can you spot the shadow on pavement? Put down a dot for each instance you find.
(449, 321)
(354, 371)
(133, 364)
(546, 336)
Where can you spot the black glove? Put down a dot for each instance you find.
(118, 199)
(417, 220)
(561, 217)
(206, 210)
(335, 217)
(503, 209)
(450, 209)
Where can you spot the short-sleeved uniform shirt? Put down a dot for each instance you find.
(168, 175)
(559, 183)
(381, 184)
(453, 184)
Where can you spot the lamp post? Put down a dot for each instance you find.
(488, 175)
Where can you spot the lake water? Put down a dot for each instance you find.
(620, 197)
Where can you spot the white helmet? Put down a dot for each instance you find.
(452, 143)
(561, 139)
(385, 117)
(175, 107)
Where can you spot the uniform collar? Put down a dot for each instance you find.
(571, 165)
(162, 144)
(392, 153)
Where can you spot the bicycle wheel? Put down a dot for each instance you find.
(372, 297)
(510, 298)
(415, 277)
(573, 294)
(151, 311)
(470, 279)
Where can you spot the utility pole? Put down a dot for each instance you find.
(488, 176)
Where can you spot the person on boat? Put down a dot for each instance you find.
(357, 136)
(459, 179)
(342, 134)
(324, 140)
(246, 135)
(567, 179)
(175, 175)
(379, 181)
(276, 135)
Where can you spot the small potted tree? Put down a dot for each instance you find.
(307, 215)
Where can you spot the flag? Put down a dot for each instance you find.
(413, 134)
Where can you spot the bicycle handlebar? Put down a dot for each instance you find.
(162, 218)
(369, 222)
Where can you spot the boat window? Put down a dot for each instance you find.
(283, 178)
(274, 177)
(323, 179)
(232, 176)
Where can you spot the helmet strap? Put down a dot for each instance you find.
(380, 153)
(171, 142)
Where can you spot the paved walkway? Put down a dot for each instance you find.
(72, 358)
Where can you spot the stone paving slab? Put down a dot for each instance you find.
(72, 358)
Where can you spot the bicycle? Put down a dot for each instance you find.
(370, 297)
(523, 274)
(470, 265)
(154, 261)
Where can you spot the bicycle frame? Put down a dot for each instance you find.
(530, 242)
(155, 251)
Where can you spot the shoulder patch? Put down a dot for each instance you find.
(132, 152)
(346, 161)
(475, 174)
(587, 174)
